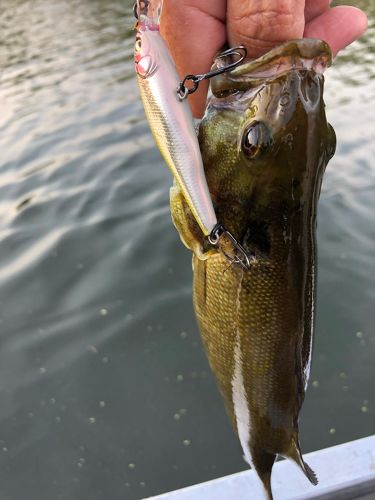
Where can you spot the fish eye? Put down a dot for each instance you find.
(256, 140)
(138, 45)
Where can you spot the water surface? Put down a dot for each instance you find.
(105, 389)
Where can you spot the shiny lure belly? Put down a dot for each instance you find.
(170, 118)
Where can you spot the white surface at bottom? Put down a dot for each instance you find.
(336, 468)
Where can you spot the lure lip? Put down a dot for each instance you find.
(147, 14)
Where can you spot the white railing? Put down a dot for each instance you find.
(345, 472)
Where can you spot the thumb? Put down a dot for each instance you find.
(262, 24)
(194, 32)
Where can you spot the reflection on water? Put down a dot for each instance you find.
(105, 390)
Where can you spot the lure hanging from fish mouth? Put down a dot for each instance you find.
(172, 125)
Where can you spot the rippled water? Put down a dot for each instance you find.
(105, 390)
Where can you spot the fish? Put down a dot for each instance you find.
(265, 143)
(169, 116)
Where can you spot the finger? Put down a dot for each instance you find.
(262, 24)
(194, 32)
(314, 8)
(338, 26)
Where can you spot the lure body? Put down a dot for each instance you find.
(171, 121)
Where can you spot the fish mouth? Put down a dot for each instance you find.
(307, 54)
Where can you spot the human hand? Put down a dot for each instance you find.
(195, 30)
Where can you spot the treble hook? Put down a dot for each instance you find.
(183, 91)
(241, 257)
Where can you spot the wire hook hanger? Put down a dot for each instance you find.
(183, 90)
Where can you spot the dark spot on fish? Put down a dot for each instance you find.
(257, 235)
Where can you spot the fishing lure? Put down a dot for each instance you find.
(172, 125)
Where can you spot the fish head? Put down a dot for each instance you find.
(265, 140)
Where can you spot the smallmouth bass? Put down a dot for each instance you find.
(265, 143)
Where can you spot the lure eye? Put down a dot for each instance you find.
(256, 140)
(138, 45)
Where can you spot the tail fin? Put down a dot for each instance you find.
(295, 454)
(262, 462)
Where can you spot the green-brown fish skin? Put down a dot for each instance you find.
(265, 149)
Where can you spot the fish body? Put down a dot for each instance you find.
(265, 144)
(170, 118)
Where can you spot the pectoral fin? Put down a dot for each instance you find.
(188, 229)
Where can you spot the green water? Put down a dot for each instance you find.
(105, 389)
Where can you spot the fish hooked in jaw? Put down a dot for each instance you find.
(265, 143)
